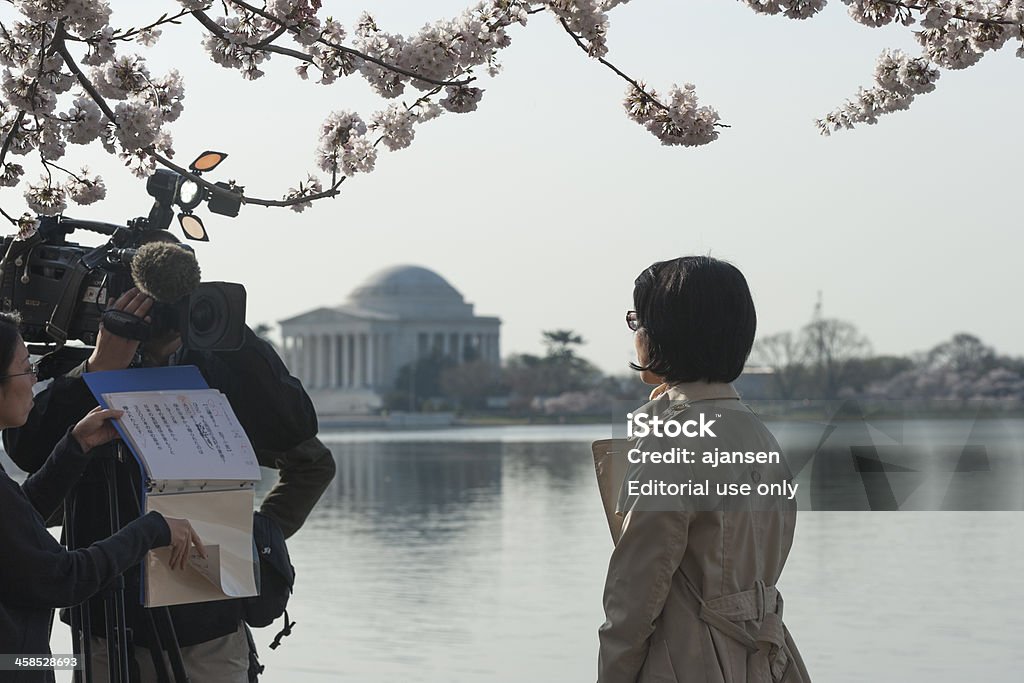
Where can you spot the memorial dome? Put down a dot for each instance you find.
(410, 291)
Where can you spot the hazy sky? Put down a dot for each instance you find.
(542, 206)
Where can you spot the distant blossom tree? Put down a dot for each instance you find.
(784, 353)
(961, 368)
(70, 77)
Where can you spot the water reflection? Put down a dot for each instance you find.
(464, 559)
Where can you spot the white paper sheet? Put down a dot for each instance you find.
(186, 435)
(223, 521)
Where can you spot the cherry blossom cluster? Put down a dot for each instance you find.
(69, 76)
(952, 35)
(677, 121)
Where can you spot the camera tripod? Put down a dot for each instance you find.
(163, 639)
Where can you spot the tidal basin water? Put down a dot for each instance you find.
(469, 555)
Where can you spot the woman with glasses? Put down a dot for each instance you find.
(690, 592)
(38, 574)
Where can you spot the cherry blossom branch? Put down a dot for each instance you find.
(61, 47)
(14, 221)
(61, 168)
(637, 86)
(211, 26)
(586, 48)
(348, 50)
(10, 136)
(271, 38)
(961, 17)
(132, 32)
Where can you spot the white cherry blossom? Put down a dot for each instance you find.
(66, 75)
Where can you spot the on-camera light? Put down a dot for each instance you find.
(189, 194)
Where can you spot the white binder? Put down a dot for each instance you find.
(200, 466)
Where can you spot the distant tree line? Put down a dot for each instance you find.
(828, 358)
(558, 382)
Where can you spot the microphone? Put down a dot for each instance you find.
(165, 271)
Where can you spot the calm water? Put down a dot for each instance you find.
(479, 555)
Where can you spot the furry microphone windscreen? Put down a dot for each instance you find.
(165, 271)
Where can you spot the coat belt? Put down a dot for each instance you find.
(767, 660)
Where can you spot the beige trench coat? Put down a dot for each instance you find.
(690, 595)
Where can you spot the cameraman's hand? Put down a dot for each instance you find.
(95, 428)
(113, 352)
(183, 536)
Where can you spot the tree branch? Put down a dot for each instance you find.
(6, 215)
(61, 47)
(349, 50)
(132, 32)
(10, 135)
(271, 38)
(639, 88)
(211, 26)
(583, 46)
(962, 17)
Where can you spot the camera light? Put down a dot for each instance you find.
(193, 227)
(189, 194)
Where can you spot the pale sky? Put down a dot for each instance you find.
(542, 206)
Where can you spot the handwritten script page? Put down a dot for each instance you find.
(185, 435)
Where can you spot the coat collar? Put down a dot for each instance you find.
(695, 391)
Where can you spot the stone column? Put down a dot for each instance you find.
(385, 359)
(358, 357)
(371, 359)
(456, 347)
(325, 360)
(309, 361)
(346, 373)
(337, 361)
(332, 361)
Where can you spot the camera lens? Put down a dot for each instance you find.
(203, 316)
(216, 316)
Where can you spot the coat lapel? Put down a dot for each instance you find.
(610, 465)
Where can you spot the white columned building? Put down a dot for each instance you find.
(349, 356)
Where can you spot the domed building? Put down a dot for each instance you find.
(348, 355)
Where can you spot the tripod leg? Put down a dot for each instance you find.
(156, 651)
(170, 643)
(117, 641)
(86, 635)
(76, 612)
(81, 617)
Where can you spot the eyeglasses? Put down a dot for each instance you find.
(632, 322)
(32, 370)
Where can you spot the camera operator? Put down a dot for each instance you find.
(278, 418)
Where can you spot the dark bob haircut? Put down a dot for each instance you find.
(10, 335)
(698, 317)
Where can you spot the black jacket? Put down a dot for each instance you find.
(271, 405)
(37, 573)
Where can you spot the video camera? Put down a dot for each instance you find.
(61, 288)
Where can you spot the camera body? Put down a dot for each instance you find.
(61, 289)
